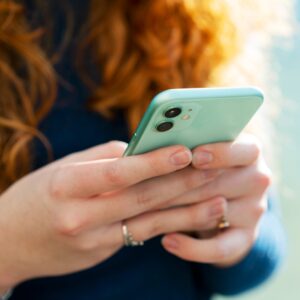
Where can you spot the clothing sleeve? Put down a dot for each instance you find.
(261, 262)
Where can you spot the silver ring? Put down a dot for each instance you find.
(128, 238)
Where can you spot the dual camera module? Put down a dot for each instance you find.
(170, 113)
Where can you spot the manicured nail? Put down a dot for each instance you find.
(170, 243)
(202, 157)
(181, 157)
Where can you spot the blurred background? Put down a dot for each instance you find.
(286, 283)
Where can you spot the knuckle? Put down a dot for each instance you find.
(143, 197)
(263, 178)
(113, 175)
(69, 223)
(258, 211)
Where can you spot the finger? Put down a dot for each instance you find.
(153, 193)
(235, 183)
(242, 152)
(229, 244)
(87, 179)
(111, 149)
(200, 216)
(98, 243)
(143, 227)
(145, 196)
(246, 213)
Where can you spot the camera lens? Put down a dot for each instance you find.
(173, 112)
(165, 126)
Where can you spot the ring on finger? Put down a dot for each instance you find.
(129, 241)
(223, 224)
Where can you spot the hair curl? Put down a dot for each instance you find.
(139, 47)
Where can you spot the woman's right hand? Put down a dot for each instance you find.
(67, 216)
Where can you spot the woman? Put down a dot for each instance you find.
(63, 223)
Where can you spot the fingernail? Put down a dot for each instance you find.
(202, 157)
(171, 243)
(217, 209)
(181, 157)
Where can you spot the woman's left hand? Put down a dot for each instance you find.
(243, 183)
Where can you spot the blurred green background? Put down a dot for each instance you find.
(286, 283)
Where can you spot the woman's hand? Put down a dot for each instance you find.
(243, 184)
(67, 215)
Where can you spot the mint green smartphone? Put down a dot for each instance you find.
(193, 117)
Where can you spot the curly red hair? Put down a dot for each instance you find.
(139, 48)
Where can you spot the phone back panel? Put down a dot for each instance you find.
(208, 115)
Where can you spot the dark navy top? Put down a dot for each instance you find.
(147, 272)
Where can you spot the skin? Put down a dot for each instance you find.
(243, 183)
(71, 220)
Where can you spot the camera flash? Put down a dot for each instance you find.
(185, 117)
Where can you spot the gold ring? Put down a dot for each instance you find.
(128, 238)
(224, 223)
